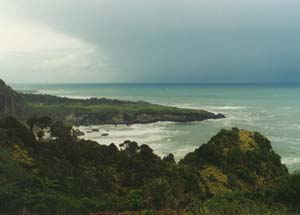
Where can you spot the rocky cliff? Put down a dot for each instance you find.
(11, 103)
(237, 160)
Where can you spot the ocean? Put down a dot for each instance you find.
(271, 109)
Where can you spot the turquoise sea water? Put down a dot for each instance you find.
(272, 109)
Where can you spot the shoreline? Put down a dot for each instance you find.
(159, 136)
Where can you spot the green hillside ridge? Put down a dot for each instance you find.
(236, 172)
(93, 111)
(237, 159)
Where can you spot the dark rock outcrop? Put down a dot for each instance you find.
(143, 117)
(11, 103)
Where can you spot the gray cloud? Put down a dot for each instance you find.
(182, 40)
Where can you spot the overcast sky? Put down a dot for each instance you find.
(149, 40)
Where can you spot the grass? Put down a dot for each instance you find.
(106, 108)
(102, 110)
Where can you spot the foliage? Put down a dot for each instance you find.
(107, 111)
(288, 192)
(67, 175)
(243, 203)
(242, 159)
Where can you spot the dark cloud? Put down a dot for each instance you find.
(183, 40)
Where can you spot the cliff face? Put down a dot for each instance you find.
(237, 160)
(11, 103)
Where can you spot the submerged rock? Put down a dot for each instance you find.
(78, 133)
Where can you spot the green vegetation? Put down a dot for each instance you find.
(288, 192)
(92, 111)
(237, 159)
(65, 175)
(106, 111)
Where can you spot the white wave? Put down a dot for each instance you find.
(291, 160)
(75, 97)
(149, 140)
(143, 133)
(227, 107)
(289, 140)
(62, 93)
(295, 149)
(211, 107)
(55, 92)
(151, 125)
(286, 108)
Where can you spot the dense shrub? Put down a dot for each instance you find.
(69, 176)
(288, 192)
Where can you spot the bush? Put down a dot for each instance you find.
(288, 192)
(242, 203)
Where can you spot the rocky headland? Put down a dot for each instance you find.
(93, 111)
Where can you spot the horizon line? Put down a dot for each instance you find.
(157, 83)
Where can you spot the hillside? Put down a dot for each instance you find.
(237, 160)
(76, 176)
(107, 111)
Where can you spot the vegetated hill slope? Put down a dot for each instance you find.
(237, 160)
(76, 176)
(108, 111)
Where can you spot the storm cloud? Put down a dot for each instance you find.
(164, 40)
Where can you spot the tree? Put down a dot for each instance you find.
(131, 147)
(31, 122)
(147, 153)
(61, 131)
(158, 192)
(169, 158)
(288, 192)
(44, 122)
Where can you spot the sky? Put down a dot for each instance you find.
(149, 41)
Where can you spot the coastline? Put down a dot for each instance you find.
(265, 109)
